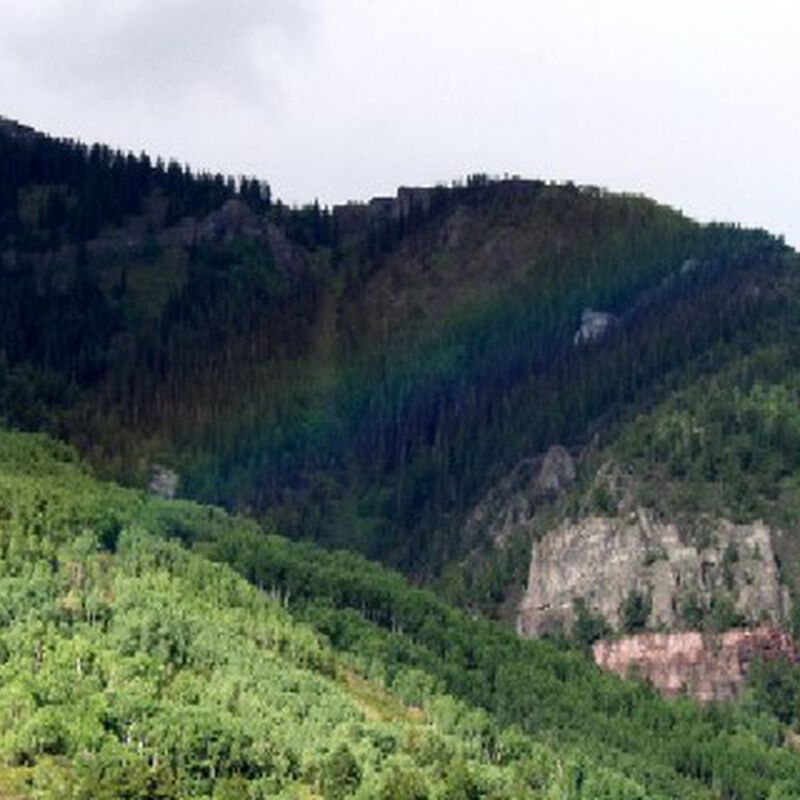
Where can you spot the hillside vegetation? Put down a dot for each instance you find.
(719, 441)
(361, 376)
(348, 384)
(134, 666)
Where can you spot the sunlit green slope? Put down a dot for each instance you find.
(131, 665)
(133, 668)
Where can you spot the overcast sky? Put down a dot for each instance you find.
(695, 102)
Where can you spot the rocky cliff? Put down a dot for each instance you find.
(706, 667)
(641, 573)
(513, 502)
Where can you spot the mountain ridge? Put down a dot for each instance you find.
(433, 381)
(370, 352)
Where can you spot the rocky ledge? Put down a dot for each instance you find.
(706, 667)
(710, 574)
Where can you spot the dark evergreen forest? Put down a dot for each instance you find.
(253, 349)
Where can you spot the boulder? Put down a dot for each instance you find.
(594, 326)
(164, 482)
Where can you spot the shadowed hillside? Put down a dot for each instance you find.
(439, 381)
(360, 376)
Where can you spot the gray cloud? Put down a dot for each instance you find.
(150, 51)
(690, 102)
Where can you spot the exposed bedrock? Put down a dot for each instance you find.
(708, 667)
(678, 579)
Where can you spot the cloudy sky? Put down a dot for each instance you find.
(694, 102)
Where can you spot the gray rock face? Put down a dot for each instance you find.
(353, 218)
(557, 471)
(164, 482)
(594, 326)
(513, 502)
(604, 559)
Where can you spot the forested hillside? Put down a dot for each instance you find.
(358, 376)
(719, 441)
(133, 666)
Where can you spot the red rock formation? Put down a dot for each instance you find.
(705, 666)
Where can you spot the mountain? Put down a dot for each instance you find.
(564, 412)
(361, 375)
(709, 464)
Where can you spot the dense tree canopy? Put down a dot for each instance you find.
(360, 378)
(262, 357)
(133, 666)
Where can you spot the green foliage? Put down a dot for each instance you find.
(56, 190)
(723, 614)
(588, 627)
(118, 774)
(274, 373)
(735, 432)
(605, 785)
(134, 668)
(341, 774)
(635, 612)
(403, 782)
(145, 670)
(729, 558)
(776, 685)
(693, 613)
(385, 628)
(603, 500)
(727, 444)
(272, 370)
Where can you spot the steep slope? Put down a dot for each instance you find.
(680, 515)
(714, 444)
(447, 380)
(134, 667)
(360, 376)
(131, 668)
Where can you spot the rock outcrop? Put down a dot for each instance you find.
(513, 502)
(355, 218)
(713, 570)
(706, 667)
(594, 326)
(164, 482)
(556, 473)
